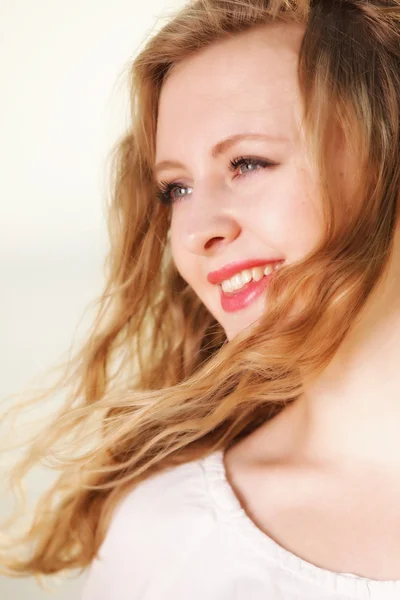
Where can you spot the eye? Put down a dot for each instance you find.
(250, 162)
(165, 188)
(164, 191)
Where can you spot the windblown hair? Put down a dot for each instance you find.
(181, 390)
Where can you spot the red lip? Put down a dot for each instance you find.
(231, 269)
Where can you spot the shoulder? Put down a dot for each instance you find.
(153, 528)
(162, 503)
(165, 493)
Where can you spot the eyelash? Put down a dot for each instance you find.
(166, 187)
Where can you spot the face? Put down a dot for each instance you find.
(221, 212)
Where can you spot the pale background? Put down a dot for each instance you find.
(63, 102)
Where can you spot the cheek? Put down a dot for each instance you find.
(180, 255)
(287, 217)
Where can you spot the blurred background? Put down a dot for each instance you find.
(63, 103)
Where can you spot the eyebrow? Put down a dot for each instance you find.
(221, 148)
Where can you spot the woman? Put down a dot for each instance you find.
(254, 452)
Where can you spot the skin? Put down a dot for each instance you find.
(223, 216)
(306, 476)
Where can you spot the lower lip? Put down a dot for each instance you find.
(243, 297)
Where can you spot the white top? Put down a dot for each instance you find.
(182, 535)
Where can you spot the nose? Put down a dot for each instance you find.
(210, 219)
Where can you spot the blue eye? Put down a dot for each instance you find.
(249, 162)
(165, 188)
(164, 191)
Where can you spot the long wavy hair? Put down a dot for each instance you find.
(156, 382)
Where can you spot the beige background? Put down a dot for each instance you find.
(63, 102)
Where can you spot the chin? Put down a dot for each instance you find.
(234, 331)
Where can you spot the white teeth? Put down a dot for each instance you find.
(258, 273)
(241, 279)
(268, 270)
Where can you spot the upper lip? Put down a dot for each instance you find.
(231, 269)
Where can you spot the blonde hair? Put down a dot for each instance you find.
(181, 390)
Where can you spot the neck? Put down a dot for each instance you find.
(352, 411)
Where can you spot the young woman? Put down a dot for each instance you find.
(248, 444)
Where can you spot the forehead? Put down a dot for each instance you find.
(247, 81)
